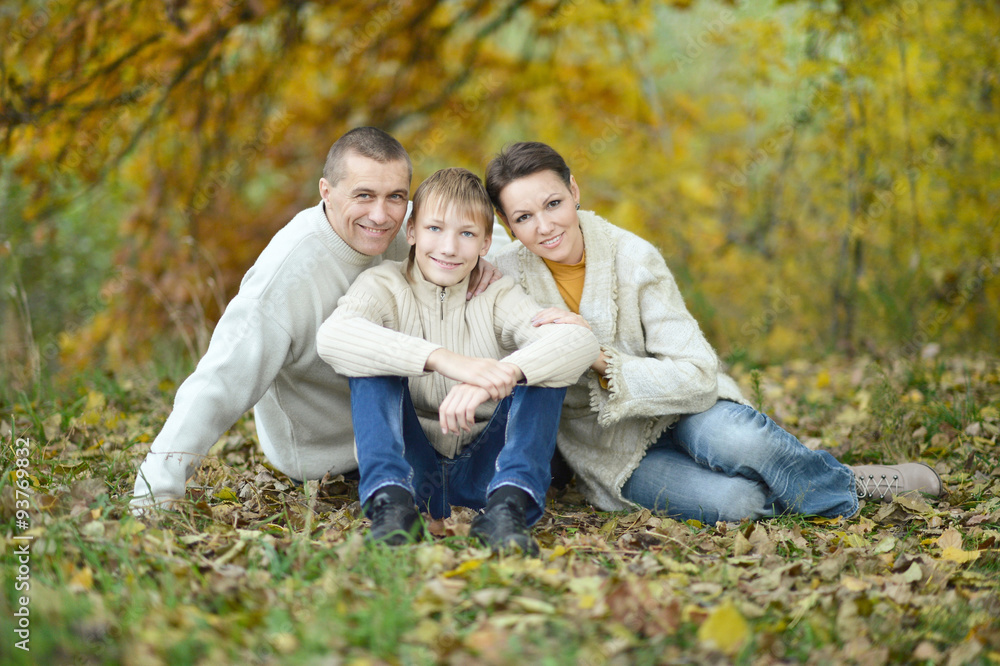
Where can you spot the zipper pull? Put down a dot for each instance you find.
(441, 309)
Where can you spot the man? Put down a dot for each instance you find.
(263, 350)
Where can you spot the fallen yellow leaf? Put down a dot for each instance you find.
(226, 494)
(463, 568)
(82, 580)
(823, 379)
(741, 545)
(958, 555)
(854, 584)
(725, 629)
(885, 545)
(534, 605)
(912, 574)
(913, 503)
(819, 520)
(951, 538)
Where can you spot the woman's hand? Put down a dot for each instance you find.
(483, 275)
(558, 316)
(495, 377)
(600, 366)
(458, 409)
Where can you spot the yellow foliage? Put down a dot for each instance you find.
(82, 580)
(464, 568)
(853, 171)
(725, 629)
(958, 555)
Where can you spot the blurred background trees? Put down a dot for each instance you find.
(821, 176)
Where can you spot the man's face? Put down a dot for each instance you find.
(366, 207)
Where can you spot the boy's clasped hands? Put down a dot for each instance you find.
(482, 379)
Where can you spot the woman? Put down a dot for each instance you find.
(654, 422)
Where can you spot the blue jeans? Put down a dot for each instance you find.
(731, 462)
(514, 449)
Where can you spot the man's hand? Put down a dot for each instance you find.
(458, 409)
(483, 275)
(496, 378)
(558, 316)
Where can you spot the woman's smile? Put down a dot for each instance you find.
(541, 213)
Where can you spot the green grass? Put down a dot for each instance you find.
(271, 583)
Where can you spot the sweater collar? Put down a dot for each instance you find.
(332, 240)
(599, 304)
(429, 293)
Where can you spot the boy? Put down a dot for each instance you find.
(443, 412)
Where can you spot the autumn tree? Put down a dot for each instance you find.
(818, 175)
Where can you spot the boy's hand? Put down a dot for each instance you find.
(558, 316)
(483, 275)
(458, 409)
(496, 378)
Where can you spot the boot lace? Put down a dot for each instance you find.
(387, 515)
(509, 519)
(876, 485)
(504, 526)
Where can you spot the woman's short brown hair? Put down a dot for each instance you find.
(519, 160)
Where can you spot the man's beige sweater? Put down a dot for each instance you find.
(387, 325)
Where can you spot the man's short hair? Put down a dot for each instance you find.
(370, 142)
(459, 188)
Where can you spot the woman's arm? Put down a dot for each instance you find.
(663, 365)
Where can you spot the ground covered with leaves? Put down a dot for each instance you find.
(256, 570)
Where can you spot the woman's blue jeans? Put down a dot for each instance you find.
(514, 449)
(731, 462)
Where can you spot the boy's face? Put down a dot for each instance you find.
(447, 243)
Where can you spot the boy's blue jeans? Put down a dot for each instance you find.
(514, 449)
(731, 462)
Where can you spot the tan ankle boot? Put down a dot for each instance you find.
(884, 481)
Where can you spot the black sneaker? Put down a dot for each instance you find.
(393, 522)
(503, 527)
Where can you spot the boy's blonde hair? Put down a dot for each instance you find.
(459, 188)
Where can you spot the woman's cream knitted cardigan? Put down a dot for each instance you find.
(659, 364)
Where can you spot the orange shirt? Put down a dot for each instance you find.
(569, 281)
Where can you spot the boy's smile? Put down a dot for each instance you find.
(447, 241)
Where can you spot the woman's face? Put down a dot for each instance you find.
(541, 213)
